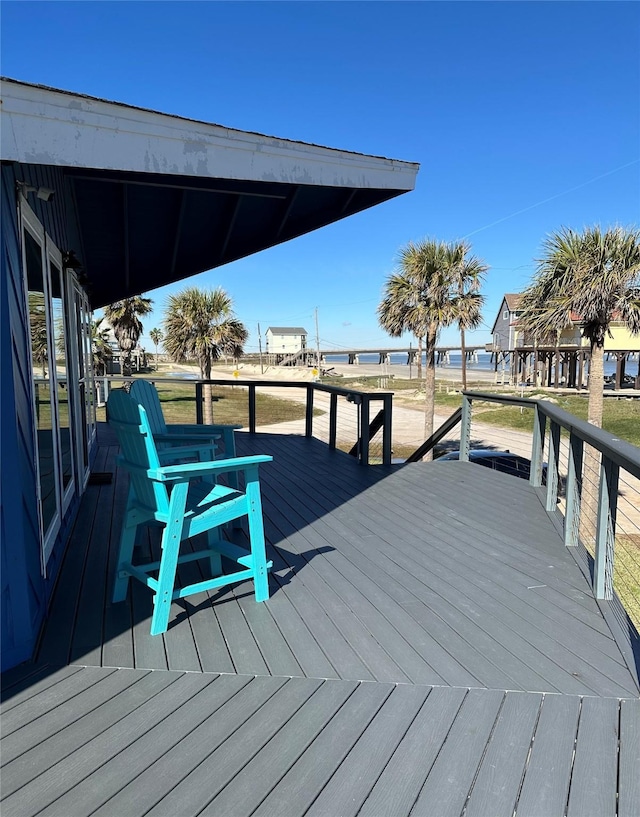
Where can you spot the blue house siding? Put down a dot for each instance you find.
(24, 592)
(22, 583)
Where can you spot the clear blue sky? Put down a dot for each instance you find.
(524, 117)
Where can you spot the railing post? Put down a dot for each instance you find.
(364, 429)
(606, 529)
(537, 453)
(465, 429)
(573, 491)
(199, 416)
(308, 430)
(106, 388)
(333, 419)
(252, 408)
(387, 402)
(553, 467)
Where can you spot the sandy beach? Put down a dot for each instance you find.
(252, 371)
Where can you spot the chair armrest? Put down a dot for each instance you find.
(184, 438)
(187, 451)
(185, 471)
(195, 428)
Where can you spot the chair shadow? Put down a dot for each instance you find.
(235, 593)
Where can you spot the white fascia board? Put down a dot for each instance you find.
(46, 126)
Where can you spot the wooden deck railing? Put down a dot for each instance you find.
(591, 482)
(359, 436)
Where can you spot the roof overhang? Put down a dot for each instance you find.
(159, 198)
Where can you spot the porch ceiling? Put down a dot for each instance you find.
(158, 198)
(140, 231)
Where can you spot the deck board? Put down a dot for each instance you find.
(594, 783)
(418, 655)
(546, 785)
(629, 760)
(497, 785)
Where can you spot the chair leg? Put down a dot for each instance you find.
(171, 538)
(256, 538)
(125, 553)
(215, 560)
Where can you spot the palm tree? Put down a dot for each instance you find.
(418, 298)
(127, 327)
(467, 273)
(590, 278)
(200, 325)
(156, 336)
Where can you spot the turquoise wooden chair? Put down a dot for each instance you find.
(174, 497)
(146, 394)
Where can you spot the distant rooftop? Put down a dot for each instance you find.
(513, 301)
(287, 330)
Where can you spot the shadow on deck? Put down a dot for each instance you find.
(429, 647)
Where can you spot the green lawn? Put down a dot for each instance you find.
(621, 417)
(627, 575)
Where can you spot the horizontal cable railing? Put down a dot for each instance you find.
(345, 419)
(591, 479)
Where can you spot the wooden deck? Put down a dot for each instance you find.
(429, 647)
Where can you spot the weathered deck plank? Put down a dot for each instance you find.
(496, 788)
(594, 783)
(546, 786)
(629, 760)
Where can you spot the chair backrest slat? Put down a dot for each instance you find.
(137, 449)
(145, 394)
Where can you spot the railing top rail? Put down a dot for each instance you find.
(293, 384)
(621, 452)
(287, 384)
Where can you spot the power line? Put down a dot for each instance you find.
(551, 198)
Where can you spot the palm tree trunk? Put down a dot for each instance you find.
(596, 385)
(125, 362)
(463, 350)
(207, 408)
(591, 470)
(430, 385)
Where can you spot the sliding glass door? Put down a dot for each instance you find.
(43, 364)
(59, 333)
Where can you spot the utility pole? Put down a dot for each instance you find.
(260, 348)
(317, 343)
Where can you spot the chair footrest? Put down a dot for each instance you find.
(212, 584)
(231, 551)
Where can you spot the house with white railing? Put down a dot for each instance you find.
(561, 360)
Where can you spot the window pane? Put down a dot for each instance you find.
(60, 343)
(42, 373)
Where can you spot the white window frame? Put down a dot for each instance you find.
(54, 254)
(28, 221)
(85, 431)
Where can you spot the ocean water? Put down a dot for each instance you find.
(482, 362)
(455, 361)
